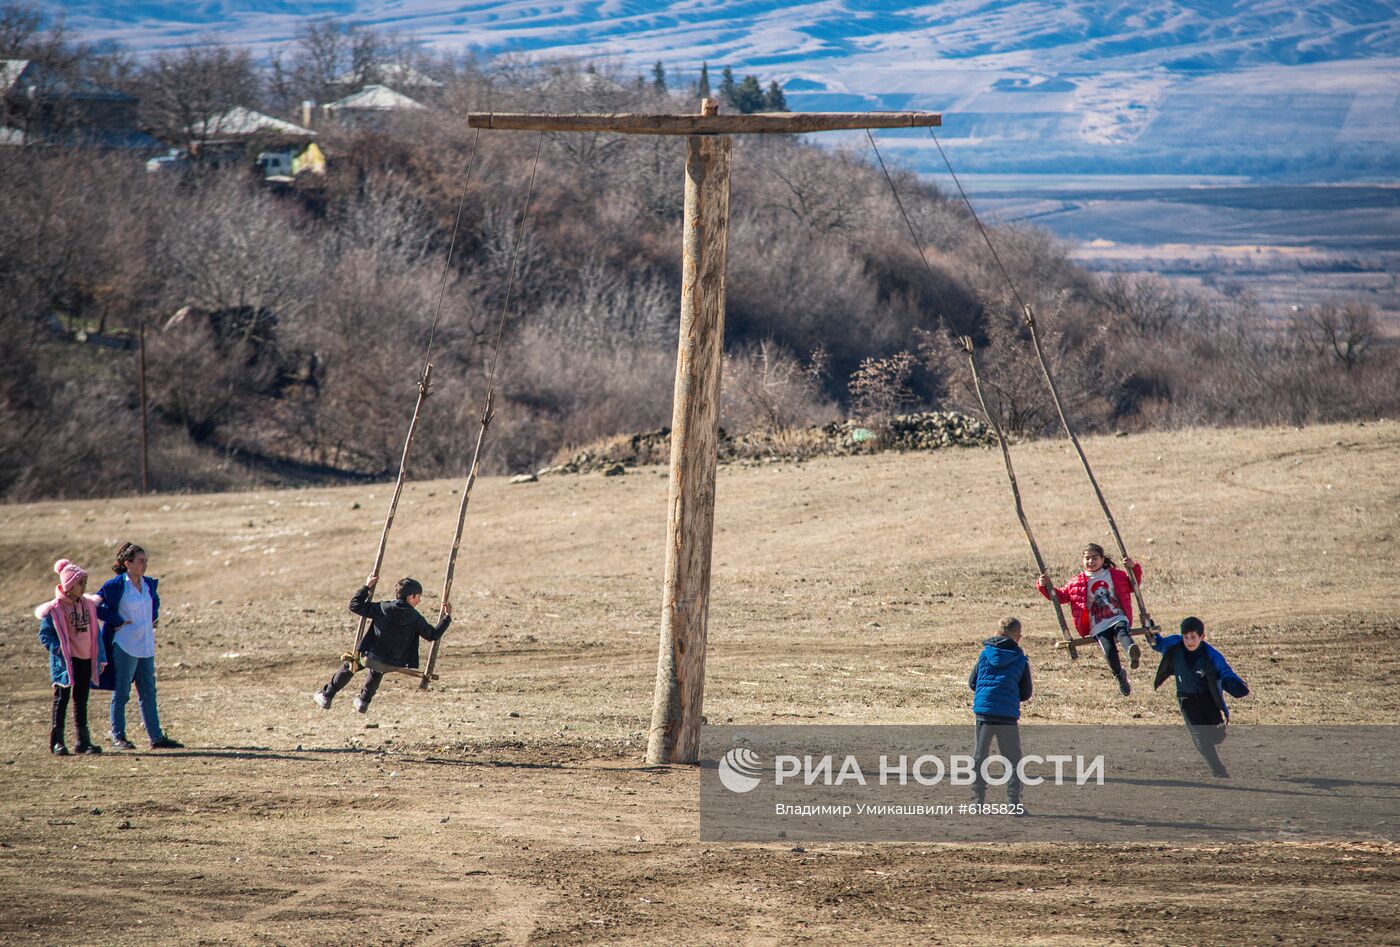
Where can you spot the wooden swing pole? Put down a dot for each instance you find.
(1147, 623)
(423, 388)
(678, 699)
(1015, 490)
(486, 416)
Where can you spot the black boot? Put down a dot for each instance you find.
(85, 744)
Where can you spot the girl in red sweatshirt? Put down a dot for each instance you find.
(1101, 600)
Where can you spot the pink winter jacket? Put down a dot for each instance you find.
(1076, 594)
(65, 641)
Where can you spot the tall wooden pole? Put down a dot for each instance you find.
(680, 666)
(145, 434)
(685, 597)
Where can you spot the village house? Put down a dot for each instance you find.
(373, 107)
(42, 105)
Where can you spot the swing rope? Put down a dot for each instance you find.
(1029, 321)
(488, 410)
(452, 245)
(967, 346)
(971, 352)
(1148, 625)
(424, 388)
(918, 244)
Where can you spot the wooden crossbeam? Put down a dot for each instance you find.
(790, 123)
(1073, 643)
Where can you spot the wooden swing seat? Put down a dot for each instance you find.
(411, 672)
(1082, 642)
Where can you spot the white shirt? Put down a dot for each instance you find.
(136, 635)
(1103, 606)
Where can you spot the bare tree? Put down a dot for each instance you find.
(1011, 374)
(880, 387)
(767, 389)
(328, 58)
(53, 63)
(814, 193)
(233, 248)
(184, 93)
(1345, 333)
(1146, 302)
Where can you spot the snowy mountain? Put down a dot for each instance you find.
(1308, 89)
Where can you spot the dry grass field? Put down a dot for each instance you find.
(510, 803)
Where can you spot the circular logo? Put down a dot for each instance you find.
(739, 769)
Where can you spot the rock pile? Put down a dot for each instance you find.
(924, 430)
(930, 430)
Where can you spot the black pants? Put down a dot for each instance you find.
(346, 672)
(82, 683)
(1008, 739)
(1108, 640)
(1207, 725)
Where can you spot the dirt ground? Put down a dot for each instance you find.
(510, 802)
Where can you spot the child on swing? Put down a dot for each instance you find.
(391, 641)
(1101, 600)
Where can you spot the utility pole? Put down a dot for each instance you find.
(145, 434)
(678, 703)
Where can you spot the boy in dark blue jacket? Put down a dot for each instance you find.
(1001, 682)
(1203, 677)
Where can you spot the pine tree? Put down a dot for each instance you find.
(726, 86)
(748, 96)
(658, 77)
(775, 101)
(702, 88)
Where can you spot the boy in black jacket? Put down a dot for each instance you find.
(391, 642)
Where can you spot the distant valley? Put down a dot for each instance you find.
(1287, 245)
(1286, 91)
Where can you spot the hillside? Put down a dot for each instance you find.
(846, 590)
(1086, 86)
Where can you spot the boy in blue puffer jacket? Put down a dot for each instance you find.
(1001, 682)
(1203, 678)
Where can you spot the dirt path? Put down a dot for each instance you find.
(510, 804)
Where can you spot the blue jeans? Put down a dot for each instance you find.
(143, 672)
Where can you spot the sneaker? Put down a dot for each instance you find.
(322, 700)
(1124, 687)
(361, 705)
(122, 743)
(58, 749)
(87, 748)
(165, 743)
(1134, 655)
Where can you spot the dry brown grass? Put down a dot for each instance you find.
(846, 590)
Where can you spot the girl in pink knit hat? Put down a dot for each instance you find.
(68, 629)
